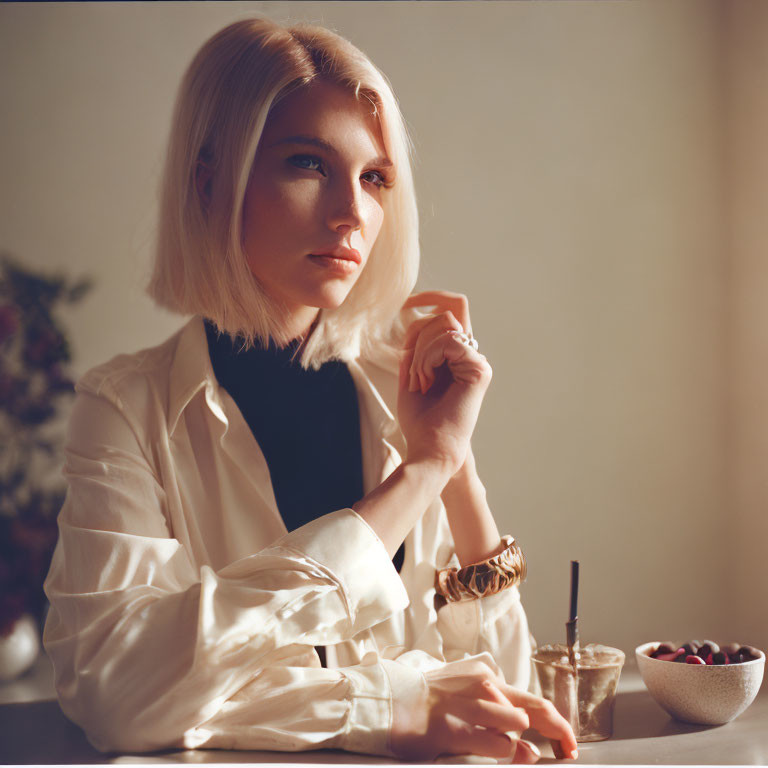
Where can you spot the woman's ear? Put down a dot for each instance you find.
(204, 182)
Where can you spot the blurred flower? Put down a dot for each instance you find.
(58, 381)
(34, 388)
(6, 388)
(44, 346)
(9, 322)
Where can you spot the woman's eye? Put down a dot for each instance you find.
(307, 162)
(379, 178)
(312, 163)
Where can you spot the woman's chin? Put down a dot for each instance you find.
(332, 299)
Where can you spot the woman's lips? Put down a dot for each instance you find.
(341, 252)
(344, 261)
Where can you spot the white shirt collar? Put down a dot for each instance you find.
(191, 370)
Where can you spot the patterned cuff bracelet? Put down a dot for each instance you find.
(487, 578)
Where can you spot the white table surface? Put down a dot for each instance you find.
(33, 730)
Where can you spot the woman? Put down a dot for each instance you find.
(249, 545)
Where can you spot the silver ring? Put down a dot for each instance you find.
(467, 339)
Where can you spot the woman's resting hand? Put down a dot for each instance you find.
(468, 710)
(442, 382)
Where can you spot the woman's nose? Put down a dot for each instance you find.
(346, 213)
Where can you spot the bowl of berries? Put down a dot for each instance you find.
(701, 681)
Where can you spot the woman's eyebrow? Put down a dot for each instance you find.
(313, 141)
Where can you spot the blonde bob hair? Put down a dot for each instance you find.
(221, 109)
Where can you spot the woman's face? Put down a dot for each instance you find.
(315, 188)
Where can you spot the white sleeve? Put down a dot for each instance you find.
(495, 624)
(150, 652)
(293, 708)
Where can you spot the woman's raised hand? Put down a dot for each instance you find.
(442, 381)
(468, 710)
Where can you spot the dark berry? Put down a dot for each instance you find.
(663, 648)
(692, 647)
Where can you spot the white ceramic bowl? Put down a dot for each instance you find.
(705, 694)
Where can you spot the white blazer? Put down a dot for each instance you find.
(184, 615)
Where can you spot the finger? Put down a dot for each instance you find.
(557, 751)
(456, 303)
(456, 349)
(430, 358)
(407, 371)
(488, 690)
(405, 368)
(445, 347)
(414, 329)
(527, 753)
(424, 384)
(427, 328)
(466, 365)
(501, 716)
(465, 739)
(544, 718)
(428, 334)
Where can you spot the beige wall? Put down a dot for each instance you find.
(746, 515)
(573, 181)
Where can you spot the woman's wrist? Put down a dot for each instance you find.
(394, 507)
(465, 478)
(435, 471)
(474, 529)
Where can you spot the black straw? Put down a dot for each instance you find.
(574, 590)
(571, 628)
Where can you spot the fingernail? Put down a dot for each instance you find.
(536, 751)
(575, 754)
(526, 753)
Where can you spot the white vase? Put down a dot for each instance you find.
(19, 648)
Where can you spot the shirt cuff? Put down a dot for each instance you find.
(469, 618)
(376, 686)
(342, 543)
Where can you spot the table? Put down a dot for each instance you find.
(33, 730)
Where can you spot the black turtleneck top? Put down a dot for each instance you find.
(306, 423)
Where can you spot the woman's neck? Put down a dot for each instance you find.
(299, 325)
